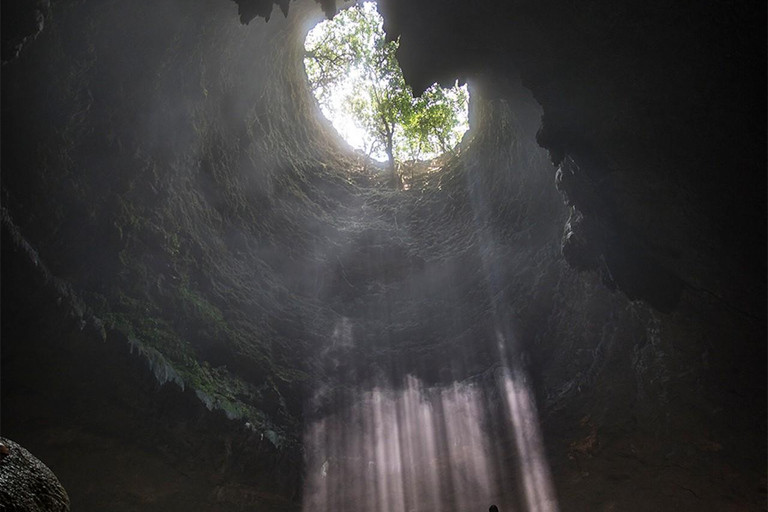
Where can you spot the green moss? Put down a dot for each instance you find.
(144, 323)
(197, 306)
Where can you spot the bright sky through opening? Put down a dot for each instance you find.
(335, 105)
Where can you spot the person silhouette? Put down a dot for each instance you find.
(493, 508)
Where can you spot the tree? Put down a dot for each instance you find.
(350, 55)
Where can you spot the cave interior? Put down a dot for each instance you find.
(210, 302)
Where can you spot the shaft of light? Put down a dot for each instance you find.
(418, 449)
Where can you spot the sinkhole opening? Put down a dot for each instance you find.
(354, 74)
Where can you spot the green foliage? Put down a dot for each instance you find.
(350, 55)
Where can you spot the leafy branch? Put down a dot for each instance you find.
(351, 54)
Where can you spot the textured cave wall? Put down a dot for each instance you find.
(189, 255)
(656, 114)
(133, 179)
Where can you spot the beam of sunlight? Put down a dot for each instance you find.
(537, 481)
(428, 449)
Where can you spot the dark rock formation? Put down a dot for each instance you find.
(195, 267)
(250, 9)
(26, 484)
(651, 101)
(22, 21)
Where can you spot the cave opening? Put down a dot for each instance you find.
(353, 73)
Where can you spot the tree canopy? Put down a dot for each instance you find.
(355, 76)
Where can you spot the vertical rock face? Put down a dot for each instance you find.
(26, 484)
(651, 102)
(197, 273)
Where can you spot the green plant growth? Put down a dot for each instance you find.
(355, 76)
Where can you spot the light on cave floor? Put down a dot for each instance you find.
(357, 81)
(421, 449)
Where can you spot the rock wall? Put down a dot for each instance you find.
(645, 105)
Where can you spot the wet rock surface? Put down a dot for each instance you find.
(26, 484)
